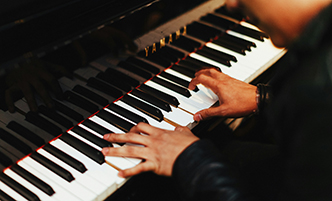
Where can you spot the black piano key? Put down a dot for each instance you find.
(177, 80)
(198, 65)
(237, 40)
(117, 82)
(68, 111)
(219, 54)
(153, 100)
(143, 107)
(202, 31)
(80, 102)
(104, 87)
(120, 123)
(15, 142)
(135, 69)
(86, 149)
(26, 133)
(18, 187)
(52, 114)
(65, 158)
(184, 70)
(171, 51)
(129, 80)
(43, 123)
(183, 91)
(96, 127)
(159, 94)
(63, 173)
(251, 32)
(33, 180)
(5, 197)
(164, 60)
(126, 113)
(91, 137)
(5, 160)
(91, 95)
(214, 57)
(232, 47)
(144, 65)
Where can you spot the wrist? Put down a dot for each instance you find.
(263, 97)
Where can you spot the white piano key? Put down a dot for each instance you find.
(89, 188)
(103, 173)
(176, 115)
(119, 162)
(188, 104)
(12, 193)
(49, 177)
(28, 185)
(151, 121)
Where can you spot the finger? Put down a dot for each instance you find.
(181, 128)
(140, 168)
(43, 92)
(9, 98)
(145, 128)
(206, 113)
(203, 79)
(29, 96)
(126, 138)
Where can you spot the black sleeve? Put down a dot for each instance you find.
(202, 174)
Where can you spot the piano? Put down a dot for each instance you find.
(54, 154)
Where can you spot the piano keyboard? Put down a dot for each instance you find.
(55, 155)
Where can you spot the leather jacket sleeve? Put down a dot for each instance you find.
(203, 174)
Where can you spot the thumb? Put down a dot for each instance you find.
(206, 113)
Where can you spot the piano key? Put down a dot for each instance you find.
(91, 95)
(43, 123)
(171, 86)
(202, 31)
(188, 72)
(80, 102)
(69, 112)
(232, 47)
(41, 195)
(66, 158)
(103, 173)
(49, 177)
(151, 121)
(126, 113)
(177, 115)
(21, 130)
(96, 127)
(104, 87)
(83, 187)
(214, 57)
(96, 139)
(133, 82)
(186, 44)
(5, 197)
(117, 82)
(237, 43)
(159, 94)
(92, 153)
(143, 64)
(10, 192)
(18, 187)
(135, 69)
(53, 167)
(52, 114)
(115, 120)
(177, 80)
(149, 110)
(151, 99)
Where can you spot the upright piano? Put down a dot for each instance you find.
(54, 153)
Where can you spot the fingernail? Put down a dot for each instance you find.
(120, 174)
(104, 151)
(106, 136)
(198, 117)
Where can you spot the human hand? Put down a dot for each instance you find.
(236, 98)
(159, 151)
(34, 76)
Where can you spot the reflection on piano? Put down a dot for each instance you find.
(55, 154)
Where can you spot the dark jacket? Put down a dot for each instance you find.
(300, 117)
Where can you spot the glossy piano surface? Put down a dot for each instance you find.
(114, 90)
